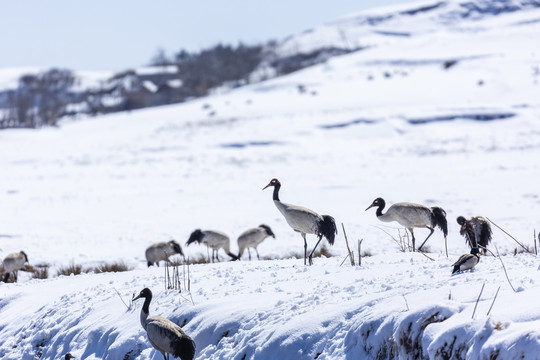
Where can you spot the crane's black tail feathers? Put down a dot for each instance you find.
(485, 235)
(327, 228)
(439, 219)
(468, 232)
(184, 348)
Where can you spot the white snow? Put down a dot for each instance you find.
(386, 121)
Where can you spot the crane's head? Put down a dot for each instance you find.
(176, 247)
(273, 182)
(268, 231)
(197, 236)
(69, 356)
(145, 293)
(377, 202)
(25, 256)
(461, 220)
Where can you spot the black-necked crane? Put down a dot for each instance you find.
(410, 216)
(68, 356)
(164, 335)
(252, 238)
(213, 239)
(13, 263)
(466, 261)
(161, 252)
(305, 221)
(476, 230)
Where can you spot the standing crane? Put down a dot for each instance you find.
(13, 263)
(476, 230)
(412, 216)
(164, 335)
(305, 221)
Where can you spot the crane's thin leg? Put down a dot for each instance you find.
(249, 253)
(432, 230)
(313, 251)
(258, 257)
(305, 248)
(217, 256)
(413, 239)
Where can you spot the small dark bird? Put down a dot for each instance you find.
(305, 221)
(466, 261)
(69, 356)
(213, 239)
(412, 216)
(477, 232)
(164, 335)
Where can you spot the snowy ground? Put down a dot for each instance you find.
(389, 121)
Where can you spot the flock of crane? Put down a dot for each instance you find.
(169, 338)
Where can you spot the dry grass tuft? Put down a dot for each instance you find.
(40, 271)
(119, 266)
(72, 268)
(200, 259)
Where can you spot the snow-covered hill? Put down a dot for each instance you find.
(448, 115)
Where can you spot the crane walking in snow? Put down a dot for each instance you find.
(476, 230)
(13, 263)
(252, 238)
(466, 261)
(305, 221)
(164, 335)
(213, 239)
(412, 216)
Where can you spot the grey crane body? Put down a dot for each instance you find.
(476, 230)
(466, 261)
(252, 238)
(162, 251)
(214, 239)
(13, 263)
(305, 221)
(164, 335)
(411, 215)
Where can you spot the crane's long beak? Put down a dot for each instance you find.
(369, 207)
(269, 184)
(136, 297)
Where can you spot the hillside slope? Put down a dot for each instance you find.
(446, 116)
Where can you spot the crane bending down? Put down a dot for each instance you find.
(305, 221)
(213, 239)
(412, 215)
(477, 232)
(164, 335)
(251, 238)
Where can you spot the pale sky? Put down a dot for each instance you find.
(120, 34)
